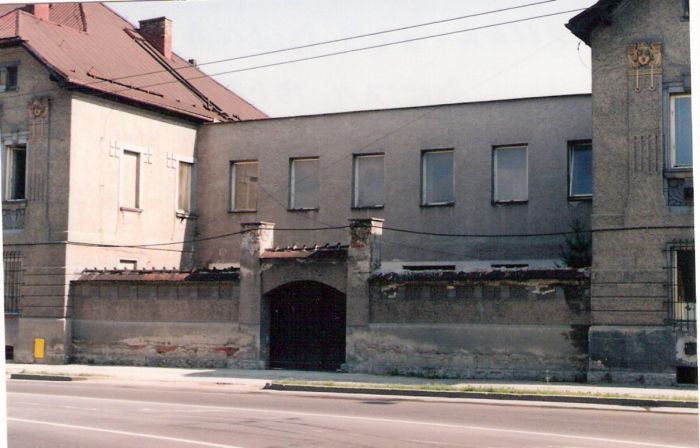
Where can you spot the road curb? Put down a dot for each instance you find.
(26, 376)
(635, 402)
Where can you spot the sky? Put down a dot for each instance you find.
(532, 58)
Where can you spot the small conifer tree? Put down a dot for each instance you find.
(576, 252)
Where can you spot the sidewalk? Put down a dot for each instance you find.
(366, 383)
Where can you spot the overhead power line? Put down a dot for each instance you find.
(298, 47)
(370, 47)
(392, 229)
(354, 37)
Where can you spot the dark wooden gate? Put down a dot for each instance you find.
(307, 326)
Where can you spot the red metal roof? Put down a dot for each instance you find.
(90, 46)
(312, 251)
(158, 275)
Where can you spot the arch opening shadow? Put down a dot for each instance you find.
(307, 327)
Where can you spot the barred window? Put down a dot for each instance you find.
(683, 284)
(12, 265)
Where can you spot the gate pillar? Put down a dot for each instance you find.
(364, 257)
(257, 237)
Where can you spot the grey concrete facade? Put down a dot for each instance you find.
(544, 125)
(634, 332)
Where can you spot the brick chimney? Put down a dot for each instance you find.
(158, 32)
(39, 11)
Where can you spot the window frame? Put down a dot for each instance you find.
(494, 167)
(232, 186)
(356, 183)
(677, 316)
(7, 67)
(424, 181)
(569, 172)
(671, 108)
(8, 170)
(139, 178)
(13, 281)
(193, 177)
(291, 185)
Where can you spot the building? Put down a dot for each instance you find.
(643, 321)
(437, 241)
(94, 157)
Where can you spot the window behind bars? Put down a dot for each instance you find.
(12, 265)
(682, 290)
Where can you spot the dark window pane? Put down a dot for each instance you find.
(20, 173)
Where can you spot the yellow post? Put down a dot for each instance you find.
(38, 348)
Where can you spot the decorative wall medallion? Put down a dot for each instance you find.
(645, 59)
(38, 113)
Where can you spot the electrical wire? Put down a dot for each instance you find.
(354, 50)
(314, 44)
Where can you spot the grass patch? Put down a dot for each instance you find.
(44, 372)
(483, 390)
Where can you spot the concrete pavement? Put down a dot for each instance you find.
(365, 383)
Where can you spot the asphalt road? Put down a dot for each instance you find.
(93, 414)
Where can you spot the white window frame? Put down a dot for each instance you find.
(232, 186)
(424, 178)
(672, 128)
(139, 176)
(356, 180)
(193, 185)
(494, 174)
(292, 184)
(572, 147)
(15, 139)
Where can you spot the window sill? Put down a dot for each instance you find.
(367, 207)
(438, 204)
(14, 203)
(130, 209)
(509, 202)
(311, 209)
(186, 215)
(678, 173)
(243, 211)
(582, 198)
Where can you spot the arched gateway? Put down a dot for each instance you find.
(306, 326)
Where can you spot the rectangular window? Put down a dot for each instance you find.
(369, 181)
(437, 177)
(681, 131)
(580, 170)
(129, 265)
(510, 174)
(184, 187)
(304, 184)
(12, 265)
(130, 182)
(244, 186)
(8, 78)
(683, 299)
(15, 173)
